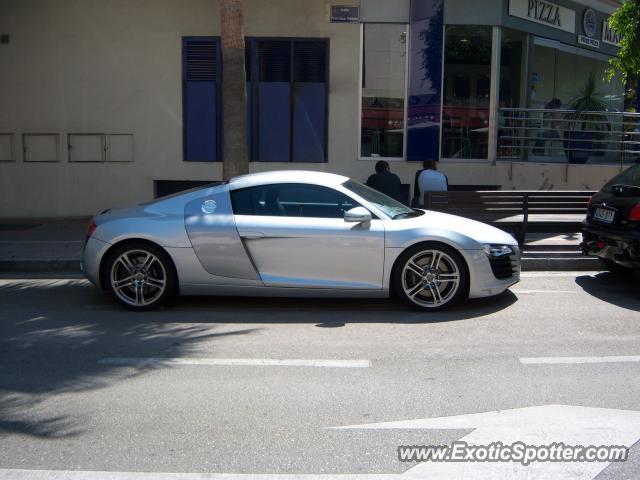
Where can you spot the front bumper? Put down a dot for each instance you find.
(621, 246)
(482, 280)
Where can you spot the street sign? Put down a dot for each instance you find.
(345, 14)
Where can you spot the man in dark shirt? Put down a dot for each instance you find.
(386, 182)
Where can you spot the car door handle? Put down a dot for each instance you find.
(251, 235)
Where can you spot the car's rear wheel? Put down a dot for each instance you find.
(614, 267)
(431, 277)
(140, 276)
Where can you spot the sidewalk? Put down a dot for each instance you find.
(556, 251)
(42, 245)
(56, 246)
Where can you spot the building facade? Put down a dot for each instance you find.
(106, 103)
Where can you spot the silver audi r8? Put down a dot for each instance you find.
(294, 233)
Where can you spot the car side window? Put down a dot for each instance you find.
(291, 200)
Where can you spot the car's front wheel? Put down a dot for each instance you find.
(140, 276)
(431, 276)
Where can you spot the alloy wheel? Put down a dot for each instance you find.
(430, 278)
(138, 277)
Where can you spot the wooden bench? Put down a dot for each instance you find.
(516, 211)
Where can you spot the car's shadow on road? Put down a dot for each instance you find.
(328, 312)
(80, 296)
(620, 290)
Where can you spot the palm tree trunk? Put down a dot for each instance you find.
(235, 160)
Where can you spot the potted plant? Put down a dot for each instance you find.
(586, 128)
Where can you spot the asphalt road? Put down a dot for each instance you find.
(87, 386)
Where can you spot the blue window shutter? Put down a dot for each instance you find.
(310, 61)
(274, 101)
(310, 101)
(275, 61)
(274, 137)
(250, 56)
(201, 98)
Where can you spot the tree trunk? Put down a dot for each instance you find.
(235, 160)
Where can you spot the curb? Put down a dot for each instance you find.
(40, 265)
(560, 264)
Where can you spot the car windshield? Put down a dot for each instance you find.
(390, 207)
(626, 183)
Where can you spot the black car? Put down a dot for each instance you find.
(612, 227)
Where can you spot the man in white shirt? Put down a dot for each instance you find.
(430, 180)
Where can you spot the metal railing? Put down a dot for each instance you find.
(564, 136)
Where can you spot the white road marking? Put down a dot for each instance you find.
(8, 474)
(577, 360)
(246, 362)
(543, 425)
(543, 291)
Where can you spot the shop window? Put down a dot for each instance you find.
(562, 71)
(512, 68)
(384, 56)
(512, 92)
(201, 100)
(467, 87)
(558, 75)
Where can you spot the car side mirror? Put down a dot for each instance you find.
(357, 215)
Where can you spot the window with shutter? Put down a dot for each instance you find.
(201, 99)
(287, 116)
(310, 61)
(275, 60)
(286, 99)
(310, 101)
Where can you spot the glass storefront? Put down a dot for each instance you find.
(559, 74)
(384, 57)
(513, 69)
(560, 71)
(466, 91)
(527, 75)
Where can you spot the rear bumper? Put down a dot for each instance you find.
(623, 247)
(92, 255)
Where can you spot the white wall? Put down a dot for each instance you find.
(98, 66)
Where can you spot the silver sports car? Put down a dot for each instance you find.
(295, 233)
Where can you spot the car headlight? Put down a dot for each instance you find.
(497, 250)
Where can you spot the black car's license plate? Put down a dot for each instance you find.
(604, 215)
